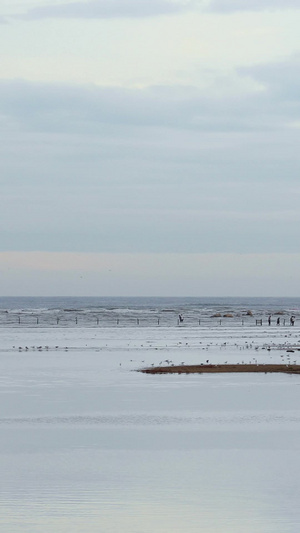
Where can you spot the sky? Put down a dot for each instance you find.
(150, 147)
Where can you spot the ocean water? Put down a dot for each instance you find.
(88, 443)
(147, 312)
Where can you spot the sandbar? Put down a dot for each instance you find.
(224, 368)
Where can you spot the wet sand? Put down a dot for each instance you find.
(225, 368)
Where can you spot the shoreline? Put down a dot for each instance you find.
(224, 368)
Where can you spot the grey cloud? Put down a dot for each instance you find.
(161, 169)
(229, 6)
(145, 8)
(106, 9)
(63, 108)
(282, 79)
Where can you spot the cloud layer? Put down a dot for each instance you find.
(156, 274)
(106, 9)
(162, 169)
(230, 6)
(71, 108)
(103, 9)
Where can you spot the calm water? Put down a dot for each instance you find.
(89, 444)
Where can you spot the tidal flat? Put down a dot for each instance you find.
(89, 444)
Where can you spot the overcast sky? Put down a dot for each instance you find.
(150, 147)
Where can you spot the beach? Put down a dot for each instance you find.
(90, 442)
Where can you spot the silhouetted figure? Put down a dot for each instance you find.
(180, 318)
(278, 321)
(269, 320)
(292, 320)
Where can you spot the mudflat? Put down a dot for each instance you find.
(224, 368)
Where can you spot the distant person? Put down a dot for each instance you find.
(180, 318)
(269, 320)
(278, 321)
(292, 320)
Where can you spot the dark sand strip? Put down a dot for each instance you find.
(213, 369)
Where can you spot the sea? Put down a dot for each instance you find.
(88, 443)
(148, 312)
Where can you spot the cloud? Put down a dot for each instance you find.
(104, 9)
(107, 9)
(41, 273)
(281, 79)
(229, 6)
(87, 168)
(90, 109)
(69, 108)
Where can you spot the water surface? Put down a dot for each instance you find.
(89, 444)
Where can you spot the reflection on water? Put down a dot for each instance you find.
(93, 491)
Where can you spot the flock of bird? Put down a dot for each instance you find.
(39, 348)
(286, 357)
